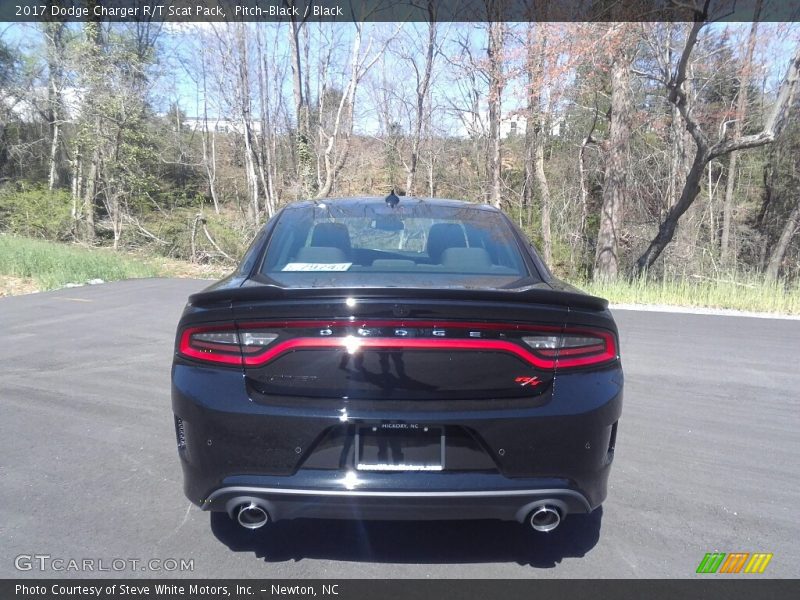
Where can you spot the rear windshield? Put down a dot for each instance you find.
(411, 245)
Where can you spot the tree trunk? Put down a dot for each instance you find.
(55, 129)
(3, 151)
(55, 125)
(422, 93)
(87, 187)
(77, 189)
(606, 265)
(209, 147)
(741, 109)
(87, 231)
(666, 231)
(332, 162)
(535, 133)
(583, 238)
(247, 126)
(265, 152)
(529, 167)
(54, 34)
(779, 251)
(494, 165)
(303, 141)
(544, 197)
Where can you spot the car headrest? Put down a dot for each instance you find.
(467, 259)
(390, 264)
(320, 254)
(442, 236)
(331, 235)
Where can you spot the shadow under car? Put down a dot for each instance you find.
(416, 542)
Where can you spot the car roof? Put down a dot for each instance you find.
(358, 201)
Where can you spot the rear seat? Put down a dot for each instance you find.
(320, 255)
(466, 259)
(392, 264)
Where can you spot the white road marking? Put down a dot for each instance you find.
(698, 310)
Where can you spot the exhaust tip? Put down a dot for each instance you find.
(252, 516)
(545, 518)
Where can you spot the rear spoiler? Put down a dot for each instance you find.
(564, 295)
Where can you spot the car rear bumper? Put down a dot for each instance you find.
(396, 496)
(235, 448)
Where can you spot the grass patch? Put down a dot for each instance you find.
(748, 295)
(52, 265)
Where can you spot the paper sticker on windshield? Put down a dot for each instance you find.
(300, 266)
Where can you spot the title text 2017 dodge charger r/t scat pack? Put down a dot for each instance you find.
(395, 359)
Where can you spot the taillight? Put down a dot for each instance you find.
(256, 344)
(223, 343)
(574, 348)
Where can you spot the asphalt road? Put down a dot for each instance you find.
(708, 457)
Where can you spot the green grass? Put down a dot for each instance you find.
(748, 294)
(52, 265)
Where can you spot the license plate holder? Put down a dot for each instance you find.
(382, 448)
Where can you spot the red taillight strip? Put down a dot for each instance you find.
(398, 343)
(609, 353)
(185, 347)
(608, 350)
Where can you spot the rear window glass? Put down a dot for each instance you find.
(374, 245)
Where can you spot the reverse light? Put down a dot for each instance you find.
(223, 344)
(540, 342)
(257, 338)
(574, 348)
(211, 338)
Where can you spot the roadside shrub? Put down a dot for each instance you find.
(36, 212)
(228, 230)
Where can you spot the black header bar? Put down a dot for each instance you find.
(707, 588)
(397, 10)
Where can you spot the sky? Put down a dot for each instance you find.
(182, 44)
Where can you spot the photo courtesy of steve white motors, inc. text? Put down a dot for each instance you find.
(171, 589)
(170, 12)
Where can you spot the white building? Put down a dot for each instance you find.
(512, 125)
(35, 104)
(220, 125)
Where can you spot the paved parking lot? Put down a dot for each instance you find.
(708, 457)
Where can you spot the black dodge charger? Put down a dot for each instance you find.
(395, 358)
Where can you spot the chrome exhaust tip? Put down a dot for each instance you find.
(252, 516)
(545, 518)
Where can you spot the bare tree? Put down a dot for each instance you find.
(246, 115)
(54, 33)
(538, 120)
(738, 124)
(606, 265)
(587, 141)
(423, 83)
(301, 104)
(336, 137)
(209, 138)
(675, 81)
(779, 251)
(265, 140)
(85, 179)
(494, 54)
